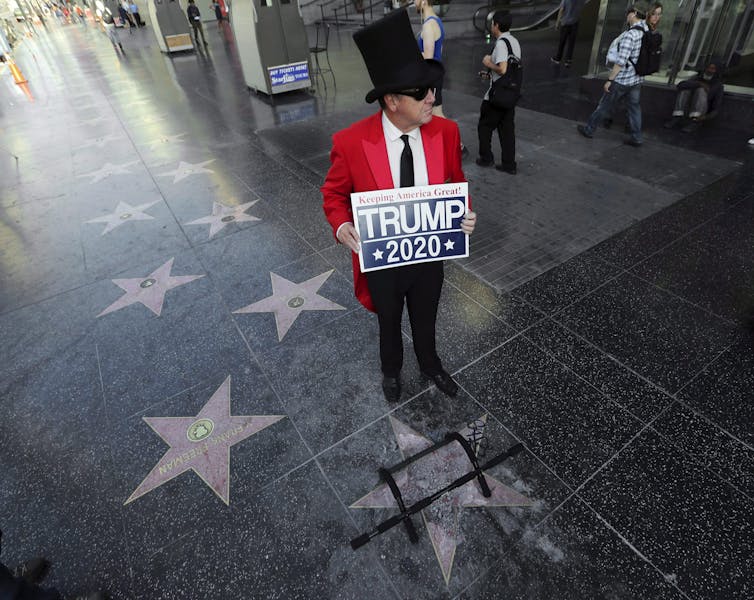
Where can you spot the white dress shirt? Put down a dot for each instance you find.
(395, 147)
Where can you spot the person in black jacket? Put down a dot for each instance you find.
(698, 99)
(195, 18)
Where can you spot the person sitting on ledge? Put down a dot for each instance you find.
(699, 98)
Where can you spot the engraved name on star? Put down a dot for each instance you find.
(289, 299)
(223, 215)
(150, 290)
(109, 169)
(187, 169)
(202, 444)
(433, 472)
(123, 212)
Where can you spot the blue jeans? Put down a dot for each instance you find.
(609, 102)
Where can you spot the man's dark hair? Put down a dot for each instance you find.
(381, 100)
(639, 8)
(503, 19)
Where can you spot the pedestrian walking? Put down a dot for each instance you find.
(195, 18)
(568, 23)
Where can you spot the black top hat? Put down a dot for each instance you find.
(392, 56)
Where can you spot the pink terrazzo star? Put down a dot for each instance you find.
(150, 290)
(202, 444)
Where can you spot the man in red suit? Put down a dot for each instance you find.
(402, 145)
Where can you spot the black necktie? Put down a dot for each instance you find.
(407, 164)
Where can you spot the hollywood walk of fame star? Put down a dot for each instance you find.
(187, 169)
(167, 139)
(150, 290)
(430, 474)
(123, 212)
(109, 169)
(449, 244)
(222, 215)
(377, 254)
(100, 142)
(202, 444)
(289, 299)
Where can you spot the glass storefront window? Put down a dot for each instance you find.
(693, 32)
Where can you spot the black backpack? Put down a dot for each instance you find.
(506, 90)
(650, 54)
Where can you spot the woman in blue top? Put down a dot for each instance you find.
(430, 43)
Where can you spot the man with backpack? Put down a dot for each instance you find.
(507, 50)
(633, 55)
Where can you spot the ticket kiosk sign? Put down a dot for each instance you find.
(410, 225)
(285, 75)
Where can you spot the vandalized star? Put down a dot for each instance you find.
(433, 472)
(289, 299)
(202, 444)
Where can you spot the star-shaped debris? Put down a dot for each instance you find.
(100, 142)
(123, 212)
(167, 139)
(202, 444)
(150, 290)
(289, 299)
(187, 169)
(222, 215)
(109, 169)
(433, 472)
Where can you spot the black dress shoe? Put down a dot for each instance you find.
(391, 387)
(444, 383)
(510, 170)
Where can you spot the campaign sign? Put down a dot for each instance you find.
(285, 74)
(410, 225)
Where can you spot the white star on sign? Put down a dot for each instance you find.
(109, 169)
(222, 215)
(377, 254)
(449, 244)
(149, 290)
(432, 472)
(167, 139)
(123, 212)
(289, 299)
(186, 169)
(100, 141)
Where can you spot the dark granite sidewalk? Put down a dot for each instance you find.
(190, 393)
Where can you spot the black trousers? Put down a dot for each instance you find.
(567, 41)
(419, 287)
(491, 119)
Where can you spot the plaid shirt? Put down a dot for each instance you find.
(629, 45)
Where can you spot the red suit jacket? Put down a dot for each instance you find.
(359, 163)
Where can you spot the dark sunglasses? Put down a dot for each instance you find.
(416, 93)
